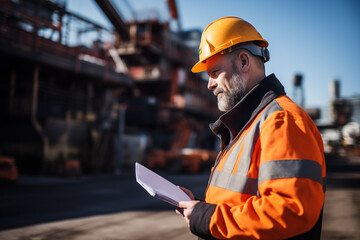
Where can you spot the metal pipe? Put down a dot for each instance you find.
(121, 127)
(34, 103)
(12, 92)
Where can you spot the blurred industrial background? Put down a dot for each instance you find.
(81, 100)
(75, 94)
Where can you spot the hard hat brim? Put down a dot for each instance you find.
(200, 66)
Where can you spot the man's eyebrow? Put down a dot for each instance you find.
(211, 69)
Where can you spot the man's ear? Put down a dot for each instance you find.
(243, 61)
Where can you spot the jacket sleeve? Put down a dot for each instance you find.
(200, 219)
(289, 202)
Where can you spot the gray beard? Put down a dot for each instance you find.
(227, 100)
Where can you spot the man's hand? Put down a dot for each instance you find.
(185, 209)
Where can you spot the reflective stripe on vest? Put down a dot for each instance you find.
(239, 182)
(294, 168)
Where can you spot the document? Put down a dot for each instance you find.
(159, 187)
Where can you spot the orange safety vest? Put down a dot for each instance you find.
(269, 179)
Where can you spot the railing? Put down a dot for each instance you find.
(18, 27)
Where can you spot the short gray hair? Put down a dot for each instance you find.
(235, 53)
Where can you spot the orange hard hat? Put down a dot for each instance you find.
(224, 33)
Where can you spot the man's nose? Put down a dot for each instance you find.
(211, 84)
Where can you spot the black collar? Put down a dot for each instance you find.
(231, 123)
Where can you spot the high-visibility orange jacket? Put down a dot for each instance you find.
(268, 180)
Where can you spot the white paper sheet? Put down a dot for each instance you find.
(158, 186)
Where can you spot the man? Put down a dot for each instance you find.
(268, 179)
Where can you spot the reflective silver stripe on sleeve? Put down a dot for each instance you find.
(300, 168)
(235, 182)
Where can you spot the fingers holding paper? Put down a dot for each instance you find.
(186, 208)
(188, 192)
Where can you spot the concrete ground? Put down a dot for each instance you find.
(341, 218)
(125, 226)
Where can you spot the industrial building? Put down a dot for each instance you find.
(79, 98)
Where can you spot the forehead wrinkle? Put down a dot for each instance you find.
(217, 61)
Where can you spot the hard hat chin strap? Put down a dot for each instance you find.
(254, 49)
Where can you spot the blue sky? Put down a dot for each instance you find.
(319, 39)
